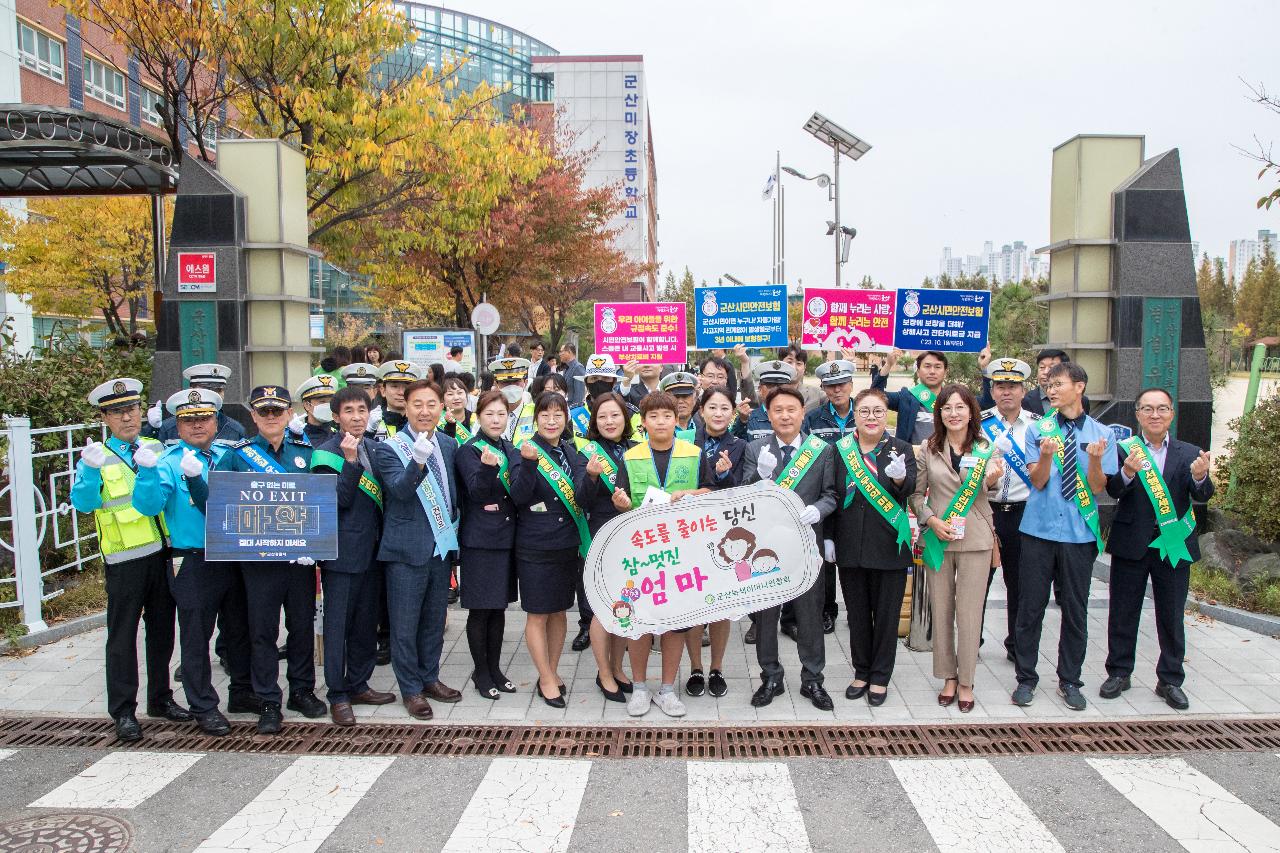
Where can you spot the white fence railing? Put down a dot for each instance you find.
(35, 495)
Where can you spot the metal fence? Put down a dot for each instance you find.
(40, 533)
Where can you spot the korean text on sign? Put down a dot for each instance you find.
(942, 320)
(647, 332)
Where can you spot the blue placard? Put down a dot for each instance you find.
(1121, 432)
(755, 316)
(271, 517)
(942, 320)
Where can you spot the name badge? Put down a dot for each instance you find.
(538, 507)
(924, 417)
(490, 507)
(968, 462)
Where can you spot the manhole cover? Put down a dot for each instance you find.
(66, 833)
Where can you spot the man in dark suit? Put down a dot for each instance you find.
(420, 507)
(814, 483)
(1146, 545)
(351, 584)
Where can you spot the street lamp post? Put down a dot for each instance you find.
(842, 142)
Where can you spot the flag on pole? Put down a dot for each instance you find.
(767, 193)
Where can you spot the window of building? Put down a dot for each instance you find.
(210, 137)
(103, 82)
(151, 106)
(39, 52)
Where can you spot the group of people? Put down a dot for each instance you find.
(509, 484)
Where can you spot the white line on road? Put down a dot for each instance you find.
(522, 804)
(300, 809)
(749, 808)
(1196, 811)
(5, 753)
(967, 806)
(121, 780)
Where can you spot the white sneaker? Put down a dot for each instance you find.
(638, 704)
(669, 703)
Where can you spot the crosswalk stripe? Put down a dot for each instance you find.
(754, 802)
(522, 804)
(1194, 810)
(967, 806)
(121, 780)
(5, 753)
(300, 808)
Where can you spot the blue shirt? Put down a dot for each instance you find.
(86, 491)
(166, 489)
(1048, 514)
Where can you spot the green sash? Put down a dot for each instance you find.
(368, 485)
(1171, 541)
(562, 483)
(461, 434)
(926, 397)
(1050, 428)
(959, 507)
(867, 484)
(790, 476)
(504, 475)
(610, 472)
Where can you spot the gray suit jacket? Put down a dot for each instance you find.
(818, 488)
(406, 533)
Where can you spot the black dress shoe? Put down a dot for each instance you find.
(127, 728)
(581, 641)
(169, 710)
(271, 721)
(1114, 686)
(213, 723)
(750, 637)
(828, 624)
(553, 701)
(244, 703)
(504, 684)
(384, 655)
(177, 673)
(454, 593)
(814, 692)
(1173, 696)
(791, 631)
(615, 696)
(875, 700)
(766, 693)
(855, 692)
(307, 705)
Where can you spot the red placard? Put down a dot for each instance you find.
(197, 272)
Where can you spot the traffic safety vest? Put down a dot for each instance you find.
(123, 532)
(682, 471)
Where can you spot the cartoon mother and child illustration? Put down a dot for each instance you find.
(737, 551)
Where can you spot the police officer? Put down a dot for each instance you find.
(351, 585)
(770, 376)
(270, 585)
(389, 418)
(601, 377)
(315, 425)
(212, 377)
(684, 387)
(510, 375)
(204, 592)
(133, 548)
(362, 375)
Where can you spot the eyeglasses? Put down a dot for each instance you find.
(1162, 409)
(871, 413)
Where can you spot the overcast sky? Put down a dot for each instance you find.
(962, 102)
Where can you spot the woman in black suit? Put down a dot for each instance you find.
(548, 555)
(872, 563)
(721, 466)
(486, 539)
(609, 434)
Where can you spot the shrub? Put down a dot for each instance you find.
(52, 390)
(1253, 456)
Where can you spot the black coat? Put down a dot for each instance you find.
(488, 515)
(553, 528)
(600, 510)
(736, 448)
(359, 518)
(862, 536)
(1134, 524)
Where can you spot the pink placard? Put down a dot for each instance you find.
(647, 332)
(856, 320)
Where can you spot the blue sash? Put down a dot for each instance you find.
(431, 497)
(258, 461)
(994, 429)
(581, 418)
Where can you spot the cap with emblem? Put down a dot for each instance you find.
(509, 369)
(835, 372)
(775, 373)
(270, 397)
(399, 371)
(214, 376)
(116, 394)
(681, 384)
(599, 367)
(319, 387)
(194, 403)
(1007, 370)
(360, 373)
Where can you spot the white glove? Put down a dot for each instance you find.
(296, 423)
(145, 457)
(897, 467)
(191, 465)
(375, 417)
(423, 448)
(94, 454)
(1003, 445)
(155, 415)
(303, 561)
(766, 463)
(810, 515)
(828, 550)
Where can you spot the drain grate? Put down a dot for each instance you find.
(1139, 737)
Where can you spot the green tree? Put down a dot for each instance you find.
(1250, 302)
(1269, 285)
(682, 291)
(1224, 291)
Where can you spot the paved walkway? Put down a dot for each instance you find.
(1230, 671)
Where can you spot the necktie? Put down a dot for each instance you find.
(787, 450)
(1069, 468)
(207, 455)
(438, 470)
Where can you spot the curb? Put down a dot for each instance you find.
(57, 632)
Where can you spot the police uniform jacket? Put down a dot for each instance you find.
(488, 515)
(406, 532)
(359, 517)
(542, 522)
(822, 422)
(293, 457)
(757, 426)
(863, 538)
(166, 489)
(1134, 525)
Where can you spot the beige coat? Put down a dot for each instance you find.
(936, 478)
